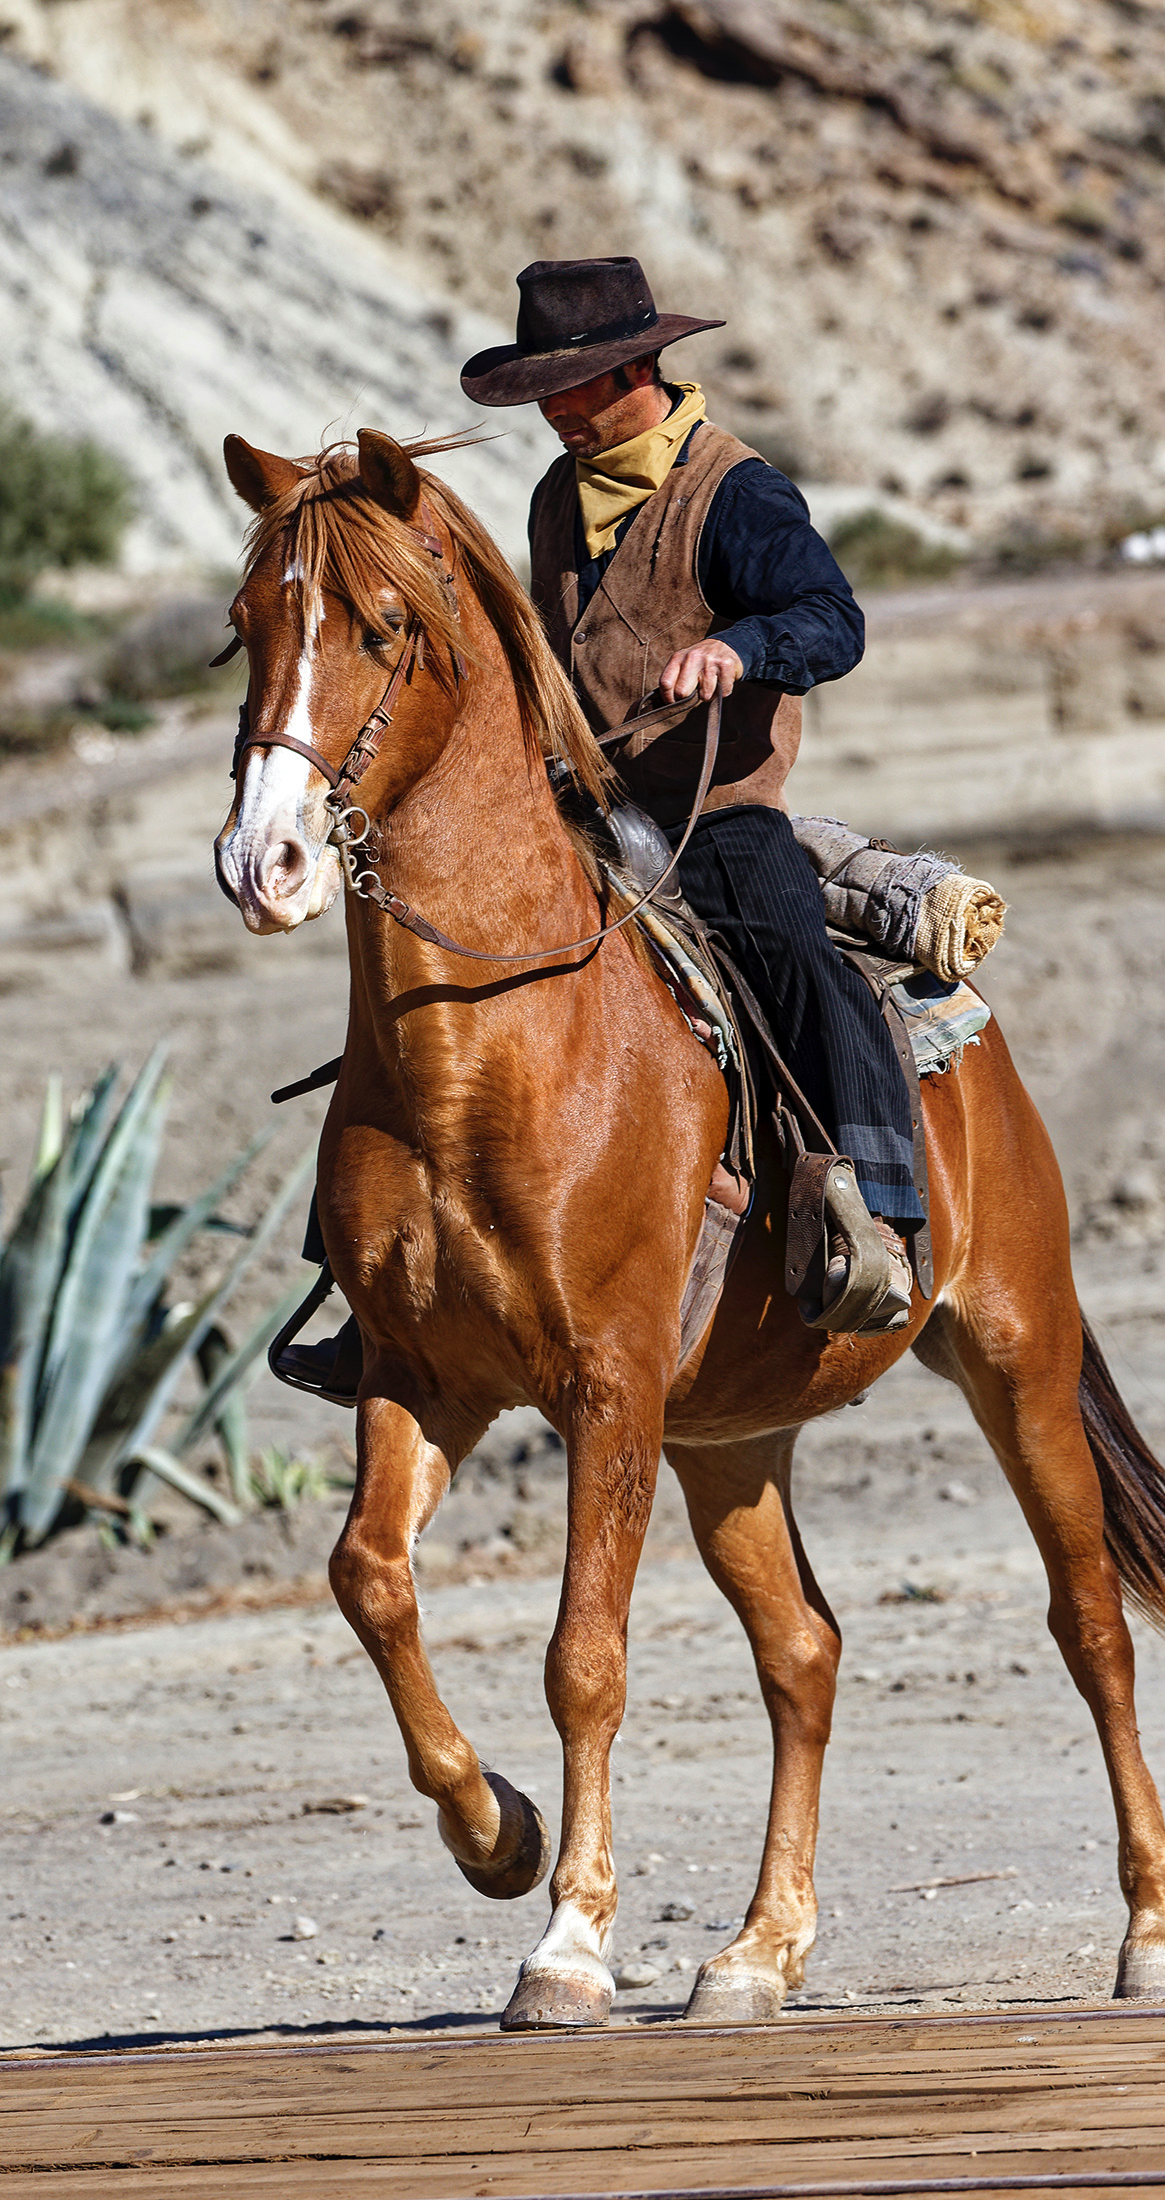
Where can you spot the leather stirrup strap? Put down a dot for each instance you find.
(919, 1243)
(291, 1328)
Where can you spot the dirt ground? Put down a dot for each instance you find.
(177, 1797)
(178, 1794)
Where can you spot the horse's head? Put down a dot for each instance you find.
(338, 579)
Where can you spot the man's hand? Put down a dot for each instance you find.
(703, 669)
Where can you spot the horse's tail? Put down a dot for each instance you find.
(1132, 1483)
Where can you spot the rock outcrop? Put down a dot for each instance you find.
(154, 304)
(936, 230)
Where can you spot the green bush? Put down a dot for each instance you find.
(91, 1349)
(35, 622)
(875, 551)
(63, 501)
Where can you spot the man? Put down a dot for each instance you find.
(665, 553)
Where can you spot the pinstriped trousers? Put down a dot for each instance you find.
(744, 873)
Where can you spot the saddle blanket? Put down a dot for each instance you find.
(942, 1016)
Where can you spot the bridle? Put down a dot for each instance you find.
(366, 746)
(366, 884)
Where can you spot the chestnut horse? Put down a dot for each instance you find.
(511, 1184)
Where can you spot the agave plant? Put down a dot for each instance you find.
(91, 1352)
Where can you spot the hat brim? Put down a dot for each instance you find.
(507, 376)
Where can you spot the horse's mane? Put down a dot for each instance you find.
(334, 535)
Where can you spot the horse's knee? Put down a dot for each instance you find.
(586, 1679)
(798, 1676)
(376, 1594)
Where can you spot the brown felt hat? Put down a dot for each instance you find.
(577, 318)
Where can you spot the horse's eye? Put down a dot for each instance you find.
(376, 642)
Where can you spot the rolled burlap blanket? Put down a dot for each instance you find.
(959, 921)
(921, 908)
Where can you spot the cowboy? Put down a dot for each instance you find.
(667, 554)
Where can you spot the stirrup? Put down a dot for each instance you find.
(320, 1369)
(894, 1312)
(824, 1194)
(296, 1365)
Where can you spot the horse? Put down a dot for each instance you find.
(511, 1185)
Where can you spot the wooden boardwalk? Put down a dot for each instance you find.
(897, 2102)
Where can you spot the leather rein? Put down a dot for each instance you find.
(366, 884)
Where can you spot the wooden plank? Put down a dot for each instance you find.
(614, 2173)
(655, 2108)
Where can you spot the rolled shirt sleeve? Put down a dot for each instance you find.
(763, 566)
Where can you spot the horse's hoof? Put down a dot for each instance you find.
(1140, 1972)
(734, 1997)
(528, 1862)
(544, 2002)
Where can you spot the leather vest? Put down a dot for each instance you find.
(649, 603)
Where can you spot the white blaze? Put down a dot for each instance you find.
(276, 779)
(272, 857)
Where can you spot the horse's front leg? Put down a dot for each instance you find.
(613, 1459)
(494, 1833)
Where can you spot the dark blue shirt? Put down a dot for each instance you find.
(763, 567)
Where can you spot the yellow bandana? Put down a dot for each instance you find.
(615, 482)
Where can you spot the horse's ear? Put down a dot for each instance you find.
(389, 474)
(258, 476)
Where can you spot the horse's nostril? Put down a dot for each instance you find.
(286, 867)
(223, 884)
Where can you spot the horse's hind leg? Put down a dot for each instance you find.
(738, 1499)
(1020, 1371)
(494, 1833)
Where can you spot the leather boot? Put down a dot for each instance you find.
(332, 1368)
(894, 1309)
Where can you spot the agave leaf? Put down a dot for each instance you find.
(123, 1409)
(158, 1397)
(84, 1334)
(231, 1370)
(233, 1434)
(230, 1425)
(90, 1121)
(168, 1469)
(52, 1128)
(185, 1226)
(29, 1272)
(89, 1211)
(164, 1212)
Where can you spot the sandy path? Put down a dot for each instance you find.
(960, 1749)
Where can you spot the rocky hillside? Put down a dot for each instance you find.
(936, 230)
(152, 301)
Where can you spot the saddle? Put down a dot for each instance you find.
(929, 1021)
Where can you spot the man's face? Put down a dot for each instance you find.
(596, 415)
